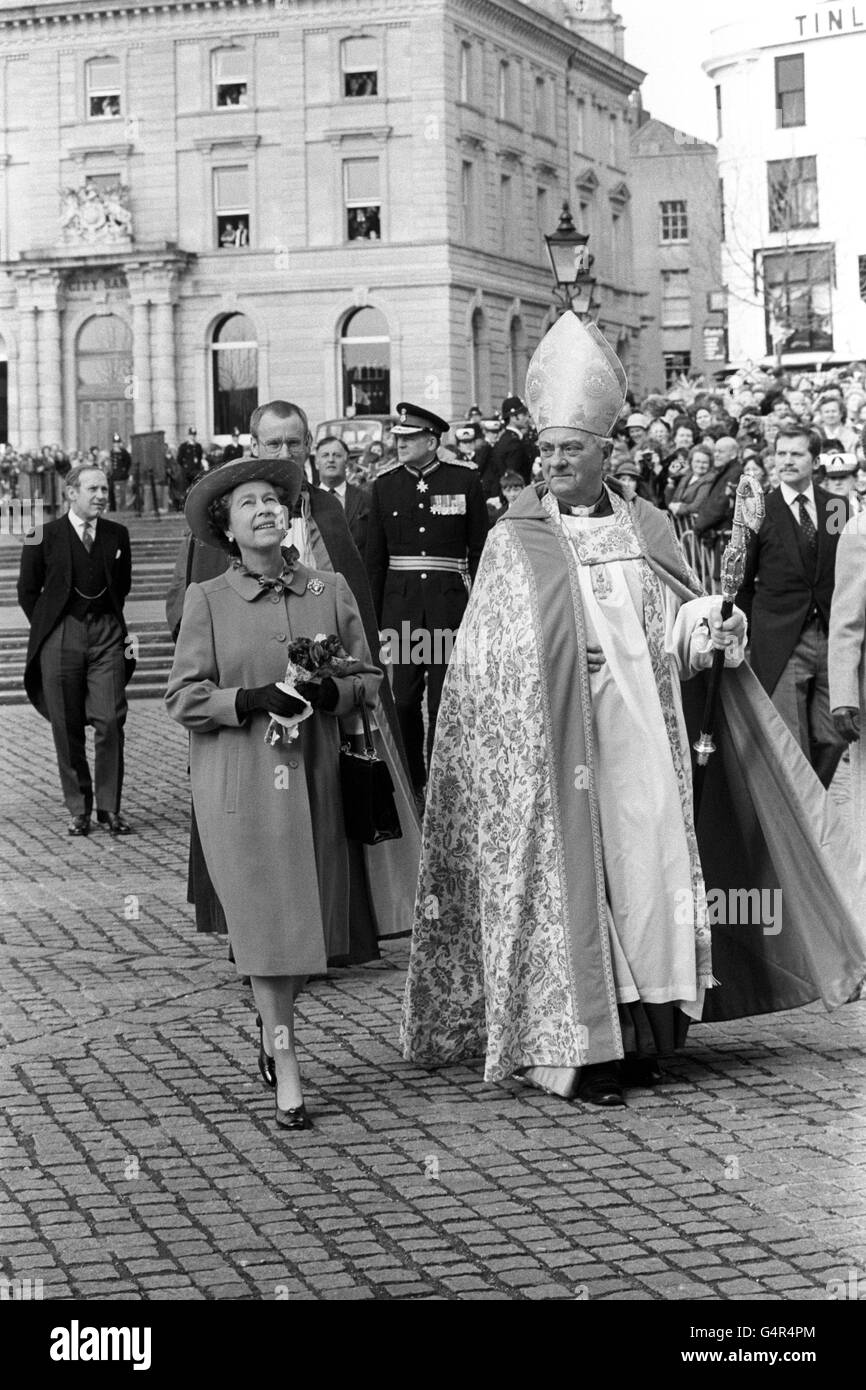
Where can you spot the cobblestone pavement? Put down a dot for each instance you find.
(139, 1157)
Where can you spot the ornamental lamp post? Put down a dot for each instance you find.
(570, 261)
(582, 301)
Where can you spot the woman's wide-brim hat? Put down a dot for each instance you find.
(283, 473)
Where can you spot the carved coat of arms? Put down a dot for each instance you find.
(92, 216)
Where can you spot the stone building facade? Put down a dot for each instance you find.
(205, 206)
(678, 234)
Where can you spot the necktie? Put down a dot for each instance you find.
(87, 538)
(808, 526)
(334, 493)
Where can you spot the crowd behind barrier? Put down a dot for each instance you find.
(683, 450)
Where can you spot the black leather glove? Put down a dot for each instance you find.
(847, 722)
(268, 698)
(322, 695)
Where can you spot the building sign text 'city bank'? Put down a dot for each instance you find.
(831, 19)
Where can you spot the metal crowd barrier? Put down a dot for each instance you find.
(704, 559)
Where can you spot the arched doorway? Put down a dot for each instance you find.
(105, 385)
(235, 364)
(365, 357)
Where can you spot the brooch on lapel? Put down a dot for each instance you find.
(315, 586)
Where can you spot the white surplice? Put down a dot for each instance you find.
(656, 903)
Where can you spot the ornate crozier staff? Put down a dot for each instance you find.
(748, 515)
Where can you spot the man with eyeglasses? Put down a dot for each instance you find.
(319, 532)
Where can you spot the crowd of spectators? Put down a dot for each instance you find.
(33, 475)
(684, 451)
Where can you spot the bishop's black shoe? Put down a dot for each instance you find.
(78, 825)
(599, 1084)
(640, 1071)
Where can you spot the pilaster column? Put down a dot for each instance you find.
(28, 381)
(50, 376)
(142, 409)
(164, 366)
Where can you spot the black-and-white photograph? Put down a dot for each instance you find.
(489, 922)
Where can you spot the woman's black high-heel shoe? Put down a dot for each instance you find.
(267, 1065)
(293, 1119)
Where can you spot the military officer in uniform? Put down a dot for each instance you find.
(234, 450)
(118, 477)
(190, 456)
(425, 533)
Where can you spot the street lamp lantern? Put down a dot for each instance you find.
(566, 248)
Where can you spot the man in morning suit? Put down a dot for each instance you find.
(786, 594)
(427, 527)
(72, 586)
(332, 461)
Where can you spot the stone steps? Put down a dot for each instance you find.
(149, 678)
(154, 548)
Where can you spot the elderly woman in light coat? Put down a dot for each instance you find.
(270, 816)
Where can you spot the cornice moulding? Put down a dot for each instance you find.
(79, 153)
(340, 134)
(209, 143)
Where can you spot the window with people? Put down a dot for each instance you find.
(232, 207)
(362, 200)
(103, 88)
(360, 66)
(229, 69)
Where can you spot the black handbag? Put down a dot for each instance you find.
(369, 810)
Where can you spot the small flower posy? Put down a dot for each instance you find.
(310, 661)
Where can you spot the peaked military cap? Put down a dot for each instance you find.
(414, 419)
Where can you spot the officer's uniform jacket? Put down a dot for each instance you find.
(425, 534)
